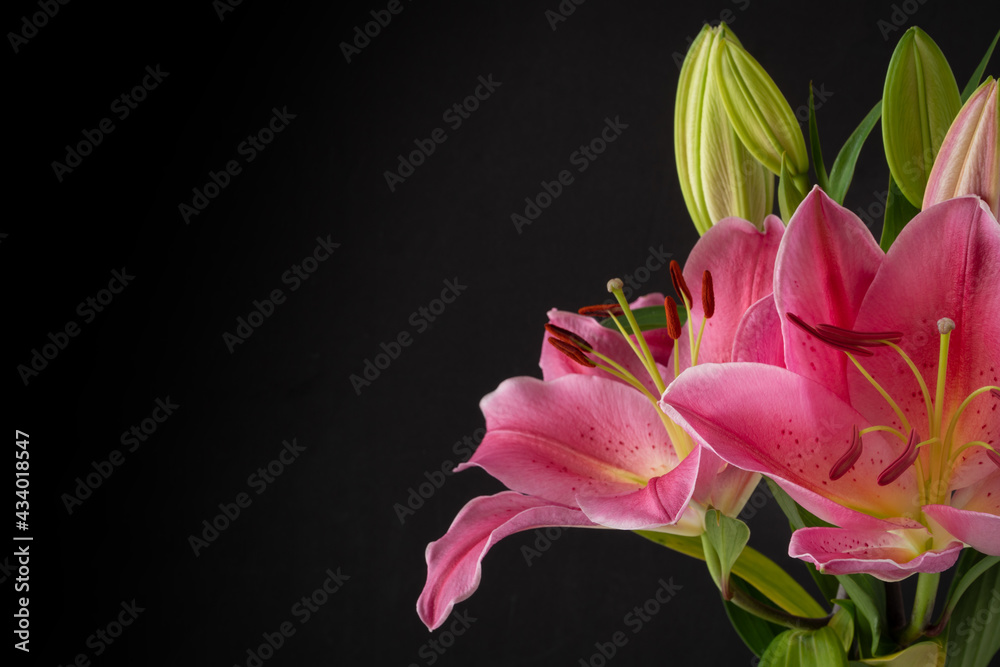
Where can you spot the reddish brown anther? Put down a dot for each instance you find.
(859, 338)
(707, 294)
(832, 342)
(673, 319)
(849, 458)
(602, 310)
(993, 456)
(573, 352)
(680, 286)
(900, 465)
(568, 336)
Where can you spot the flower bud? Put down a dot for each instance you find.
(719, 177)
(919, 102)
(758, 111)
(969, 160)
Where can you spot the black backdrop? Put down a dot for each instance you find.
(112, 513)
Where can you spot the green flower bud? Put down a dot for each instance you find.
(719, 177)
(760, 113)
(919, 103)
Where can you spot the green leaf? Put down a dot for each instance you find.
(648, 319)
(868, 596)
(755, 632)
(723, 542)
(805, 648)
(790, 194)
(753, 567)
(815, 150)
(974, 80)
(842, 171)
(974, 628)
(961, 583)
(924, 654)
(919, 102)
(843, 624)
(898, 212)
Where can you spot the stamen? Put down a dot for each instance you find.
(900, 465)
(849, 458)
(707, 294)
(573, 352)
(680, 285)
(568, 336)
(673, 319)
(602, 310)
(865, 338)
(832, 342)
(993, 456)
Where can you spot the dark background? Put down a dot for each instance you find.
(365, 451)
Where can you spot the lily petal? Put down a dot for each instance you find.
(574, 436)
(772, 421)
(974, 516)
(454, 561)
(945, 263)
(758, 337)
(825, 265)
(741, 259)
(661, 502)
(887, 555)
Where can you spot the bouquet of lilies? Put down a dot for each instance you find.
(860, 378)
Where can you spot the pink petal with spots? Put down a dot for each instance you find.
(769, 420)
(577, 435)
(945, 263)
(889, 556)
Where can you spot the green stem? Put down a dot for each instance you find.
(923, 606)
(769, 613)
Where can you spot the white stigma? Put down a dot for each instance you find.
(946, 325)
(615, 283)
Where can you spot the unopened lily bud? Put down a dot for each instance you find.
(969, 160)
(758, 111)
(919, 103)
(719, 177)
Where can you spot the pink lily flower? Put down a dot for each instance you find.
(588, 446)
(969, 160)
(886, 418)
